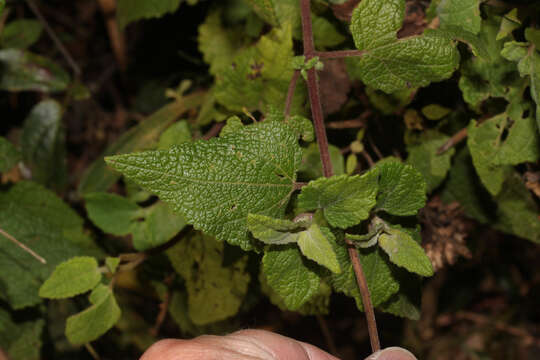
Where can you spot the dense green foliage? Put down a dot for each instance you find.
(212, 222)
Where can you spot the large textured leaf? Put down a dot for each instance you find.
(210, 283)
(133, 10)
(423, 156)
(345, 200)
(215, 184)
(405, 252)
(72, 277)
(141, 137)
(290, 275)
(96, 320)
(20, 340)
(406, 302)
(42, 142)
(390, 64)
(463, 13)
(402, 189)
(40, 220)
(24, 71)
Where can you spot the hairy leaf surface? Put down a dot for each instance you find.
(72, 277)
(215, 184)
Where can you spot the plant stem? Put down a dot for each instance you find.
(290, 92)
(33, 7)
(454, 140)
(338, 54)
(366, 297)
(22, 246)
(318, 120)
(313, 89)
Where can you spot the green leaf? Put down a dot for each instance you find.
(435, 111)
(325, 33)
(21, 34)
(405, 252)
(24, 71)
(215, 184)
(129, 11)
(528, 58)
(509, 23)
(151, 226)
(379, 275)
(311, 167)
(37, 218)
(9, 155)
(259, 75)
(233, 124)
(274, 231)
(72, 277)
(390, 64)
(112, 263)
(517, 211)
(43, 144)
(20, 341)
(406, 302)
(99, 178)
(481, 77)
(200, 258)
(423, 156)
(315, 245)
(506, 139)
(176, 134)
(217, 44)
(462, 13)
(345, 200)
(265, 9)
(402, 189)
(290, 275)
(96, 320)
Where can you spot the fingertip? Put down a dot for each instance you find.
(392, 353)
(163, 350)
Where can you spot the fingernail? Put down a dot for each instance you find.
(392, 353)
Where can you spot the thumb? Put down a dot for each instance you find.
(392, 353)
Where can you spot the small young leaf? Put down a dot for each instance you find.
(289, 276)
(405, 252)
(345, 200)
(215, 184)
(390, 64)
(176, 134)
(9, 155)
(273, 231)
(112, 263)
(402, 189)
(315, 245)
(96, 320)
(72, 277)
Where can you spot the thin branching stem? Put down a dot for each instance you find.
(318, 120)
(290, 92)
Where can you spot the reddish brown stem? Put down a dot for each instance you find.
(313, 90)
(453, 141)
(338, 54)
(318, 120)
(290, 92)
(366, 297)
